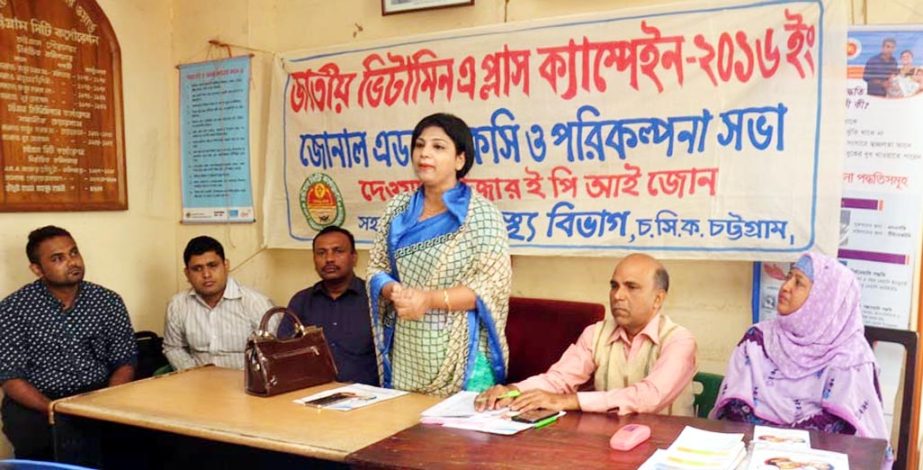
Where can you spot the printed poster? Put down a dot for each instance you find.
(882, 207)
(215, 141)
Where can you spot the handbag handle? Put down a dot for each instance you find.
(296, 323)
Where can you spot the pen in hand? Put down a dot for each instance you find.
(509, 394)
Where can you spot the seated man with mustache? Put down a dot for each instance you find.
(637, 360)
(210, 323)
(339, 304)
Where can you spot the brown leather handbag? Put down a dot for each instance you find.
(275, 366)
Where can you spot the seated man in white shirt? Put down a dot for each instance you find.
(210, 323)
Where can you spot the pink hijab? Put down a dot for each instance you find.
(793, 369)
(826, 330)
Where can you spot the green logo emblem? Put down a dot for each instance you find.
(321, 202)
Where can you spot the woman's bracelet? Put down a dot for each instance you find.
(445, 298)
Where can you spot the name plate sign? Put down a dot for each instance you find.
(62, 145)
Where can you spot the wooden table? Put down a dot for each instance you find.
(577, 441)
(209, 403)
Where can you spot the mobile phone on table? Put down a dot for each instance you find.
(534, 416)
(330, 399)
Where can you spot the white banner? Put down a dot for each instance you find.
(696, 132)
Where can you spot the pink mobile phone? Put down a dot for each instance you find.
(629, 436)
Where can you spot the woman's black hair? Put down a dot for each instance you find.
(457, 130)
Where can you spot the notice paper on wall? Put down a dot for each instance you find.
(215, 141)
(882, 205)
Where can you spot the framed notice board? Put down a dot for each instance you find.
(62, 143)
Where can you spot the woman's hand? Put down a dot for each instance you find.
(388, 290)
(410, 303)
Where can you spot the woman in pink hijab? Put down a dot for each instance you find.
(810, 367)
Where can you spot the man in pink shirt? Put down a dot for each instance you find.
(637, 360)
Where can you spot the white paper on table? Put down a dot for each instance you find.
(658, 461)
(364, 395)
(495, 422)
(458, 412)
(700, 449)
(774, 458)
(765, 435)
(655, 461)
(459, 405)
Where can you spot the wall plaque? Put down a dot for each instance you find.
(62, 143)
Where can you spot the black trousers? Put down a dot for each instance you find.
(28, 430)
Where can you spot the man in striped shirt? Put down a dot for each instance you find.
(210, 323)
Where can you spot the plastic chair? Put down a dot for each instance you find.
(909, 340)
(538, 331)
(164, 370)
(705, 399)
(15, 464)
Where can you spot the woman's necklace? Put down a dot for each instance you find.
(429, 211)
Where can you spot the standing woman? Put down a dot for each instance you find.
(810, 367)
(439, 273)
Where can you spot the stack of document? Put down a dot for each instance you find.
(699, 449)
(771, 449)
(775, 448)
(458, 412)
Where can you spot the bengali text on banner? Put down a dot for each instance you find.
(694, 132)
